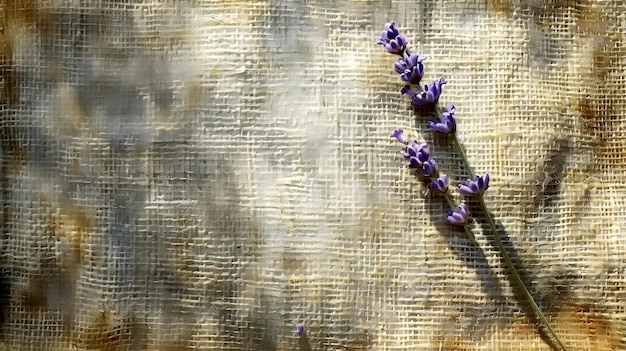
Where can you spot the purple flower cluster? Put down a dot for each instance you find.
(417, 154)
(475, 187)
(411, 70)
(391, 39)
(458, 217)
(410, 67)
(427, 97)
(445, 123)
(418, 157)
(440, 185)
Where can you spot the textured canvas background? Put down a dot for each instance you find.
(207, 175)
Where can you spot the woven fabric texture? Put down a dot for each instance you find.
(208, 175)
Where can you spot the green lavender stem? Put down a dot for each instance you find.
(503, 250)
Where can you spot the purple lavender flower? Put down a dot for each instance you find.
(446, 122)
(427, 97)
(440, 185)
(458, 217)
(428, 169)
(475, 187)
(301, 330)
(419, 158)
(416, 154)
(392, 40)
(410, 67)
(399, 134)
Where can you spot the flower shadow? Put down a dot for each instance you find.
(473, 257)
(303, 343)
(485, 312)
(548, 302)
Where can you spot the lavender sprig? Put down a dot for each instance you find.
(419, 158)
(411, 70)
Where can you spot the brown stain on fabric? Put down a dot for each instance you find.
(590, 20)
(17, 18)
(588, 116)
(103, 332)
(578, 325)
(74, 225)
(599, 114)
(35, 298)
(499, 7)
(589, 326)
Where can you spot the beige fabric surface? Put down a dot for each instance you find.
(207, 175)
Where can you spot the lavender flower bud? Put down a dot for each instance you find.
(399, 134)
(458, 217)
(427, 170)
(417, 151)
(475, 187)
(410, 67)
(440, 185)
(392, 40)
(446, 122)
(301, 330)
(419, 158)
(427, 97)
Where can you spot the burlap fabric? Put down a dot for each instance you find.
(208, 175)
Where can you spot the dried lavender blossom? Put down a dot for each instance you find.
(399, 135)
(428, 169)
(411, 70)
(475, 187)
(427, 97)
(419, 158)
(410, 67)
(418, 152)
(458, 217)
(445, 123)
(392, 40)
(440, 185)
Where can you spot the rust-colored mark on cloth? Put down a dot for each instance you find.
(590, 326)
(500, 7)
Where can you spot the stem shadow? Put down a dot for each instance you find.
(525, 274)
(474, 259)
